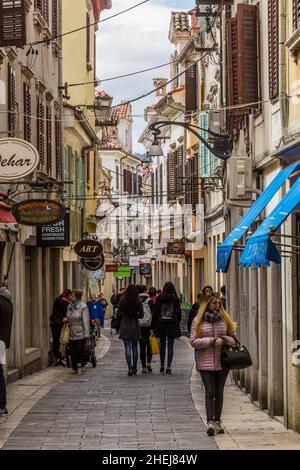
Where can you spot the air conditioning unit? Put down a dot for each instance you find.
(239, 171)
(216, 123)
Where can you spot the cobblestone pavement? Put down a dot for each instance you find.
(106, 409)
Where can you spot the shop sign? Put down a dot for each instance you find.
(175, 248)
(55, 234)
(93, 264)
(88, 249)
(18, 158)
(38, 212)
(123, 271)
(145, 269)
(111, 268)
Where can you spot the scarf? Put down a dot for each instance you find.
(212, 317)
(75, 303)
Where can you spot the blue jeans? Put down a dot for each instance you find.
(102, 318)
(131, 353)
(2, 389)
(163, 344)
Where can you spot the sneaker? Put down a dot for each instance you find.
(149, 367)
(3, 411)
(134, 371)
(168, 371)
(130, 372)
(211, 428)
(145, 370)
(162, 369)
(218, 427)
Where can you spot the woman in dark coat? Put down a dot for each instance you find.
(59, 312)
(129, 311)
(166, 323)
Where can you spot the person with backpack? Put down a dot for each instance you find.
(166, 323)
(129, 311)
(145, 325)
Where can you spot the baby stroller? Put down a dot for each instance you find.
(89, 347)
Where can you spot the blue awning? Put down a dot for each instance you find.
(225, 250)
(259, 248)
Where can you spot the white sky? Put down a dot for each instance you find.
(134, 41)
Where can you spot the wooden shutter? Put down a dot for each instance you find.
(125, 180)
(27, 112)
(242, 60)
(40, 127)
(49, 138)
(191, 89)
(157, 185)
(12, 23)
(296, 14)
(152, 188)
(171, 176)
(11, 99)
(140, 185)
(88, 39)
(54, 17)
(161, 183)
(46, 10)
(194, 182)
(58, 146)
(187, 186)
(129, 183)
(88, 169)
(38, 6)
(273, 25)
(117, 177)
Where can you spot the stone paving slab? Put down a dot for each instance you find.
(106, 409)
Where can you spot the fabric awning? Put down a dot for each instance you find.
(6, 216)
(259, 248)
(225, 250)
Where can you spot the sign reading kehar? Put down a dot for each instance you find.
(38, 212)
(88, 249)
(18, 159)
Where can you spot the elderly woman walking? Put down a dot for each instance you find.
(211, 329)
(79, 324)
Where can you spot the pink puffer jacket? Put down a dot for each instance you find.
(208, 357)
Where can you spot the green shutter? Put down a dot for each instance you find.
(205, 154)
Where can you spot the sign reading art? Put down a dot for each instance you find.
(38, 212)
(18, 158)
(88, 249)
(93, 264)
(176, 248)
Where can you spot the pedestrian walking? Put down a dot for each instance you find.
(211, 329)
(152, 296)
(104, 304)
(145, 350)
(79, 324)
(223, 296)
(166, 323)
(193, 312)
(6, 315)
(96, 312)
(59, 311)
(129, 311)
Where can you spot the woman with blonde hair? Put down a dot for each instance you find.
(211, 329)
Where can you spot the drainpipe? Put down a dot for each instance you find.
(283, 99)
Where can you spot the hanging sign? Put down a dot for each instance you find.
(176, 248)
(145, 269)
(93, 264)
(55, 234)
(111, 268)
(18, 158)
(88, 249)
(123, 271)
(38, 212)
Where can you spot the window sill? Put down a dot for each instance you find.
(293, 45)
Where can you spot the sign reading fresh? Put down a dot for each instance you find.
(18, 158)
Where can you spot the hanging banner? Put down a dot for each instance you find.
(36, 212)
(55, 234)
(18, 158)
(88, 249)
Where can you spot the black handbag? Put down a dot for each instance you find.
(235, 357)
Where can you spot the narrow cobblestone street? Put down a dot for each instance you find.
(106, 409)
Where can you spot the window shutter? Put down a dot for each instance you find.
(194, 182)
(161, 183)
(296, 14)
(41, 131)
(171, 176)
(242, 52)
(88, 171)
(129, 183)
(72, 174)
(11, 90)
(125, 180)
(178, 161)
(27, 112)
(58, 146)
(80, 185)
(38, 5)
(49, 138)
(12, 23)
(54, 17)
(140, 185)
(156, 185)
(206, 157)
(273, 24)
(88, 40)
(191, 88)
(117, 177)
(152, 188)
(46, 10)
(187, 185)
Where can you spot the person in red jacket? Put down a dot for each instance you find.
(211, 329)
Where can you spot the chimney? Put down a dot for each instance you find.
(161, 92)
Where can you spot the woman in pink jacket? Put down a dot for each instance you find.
(211, 329)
